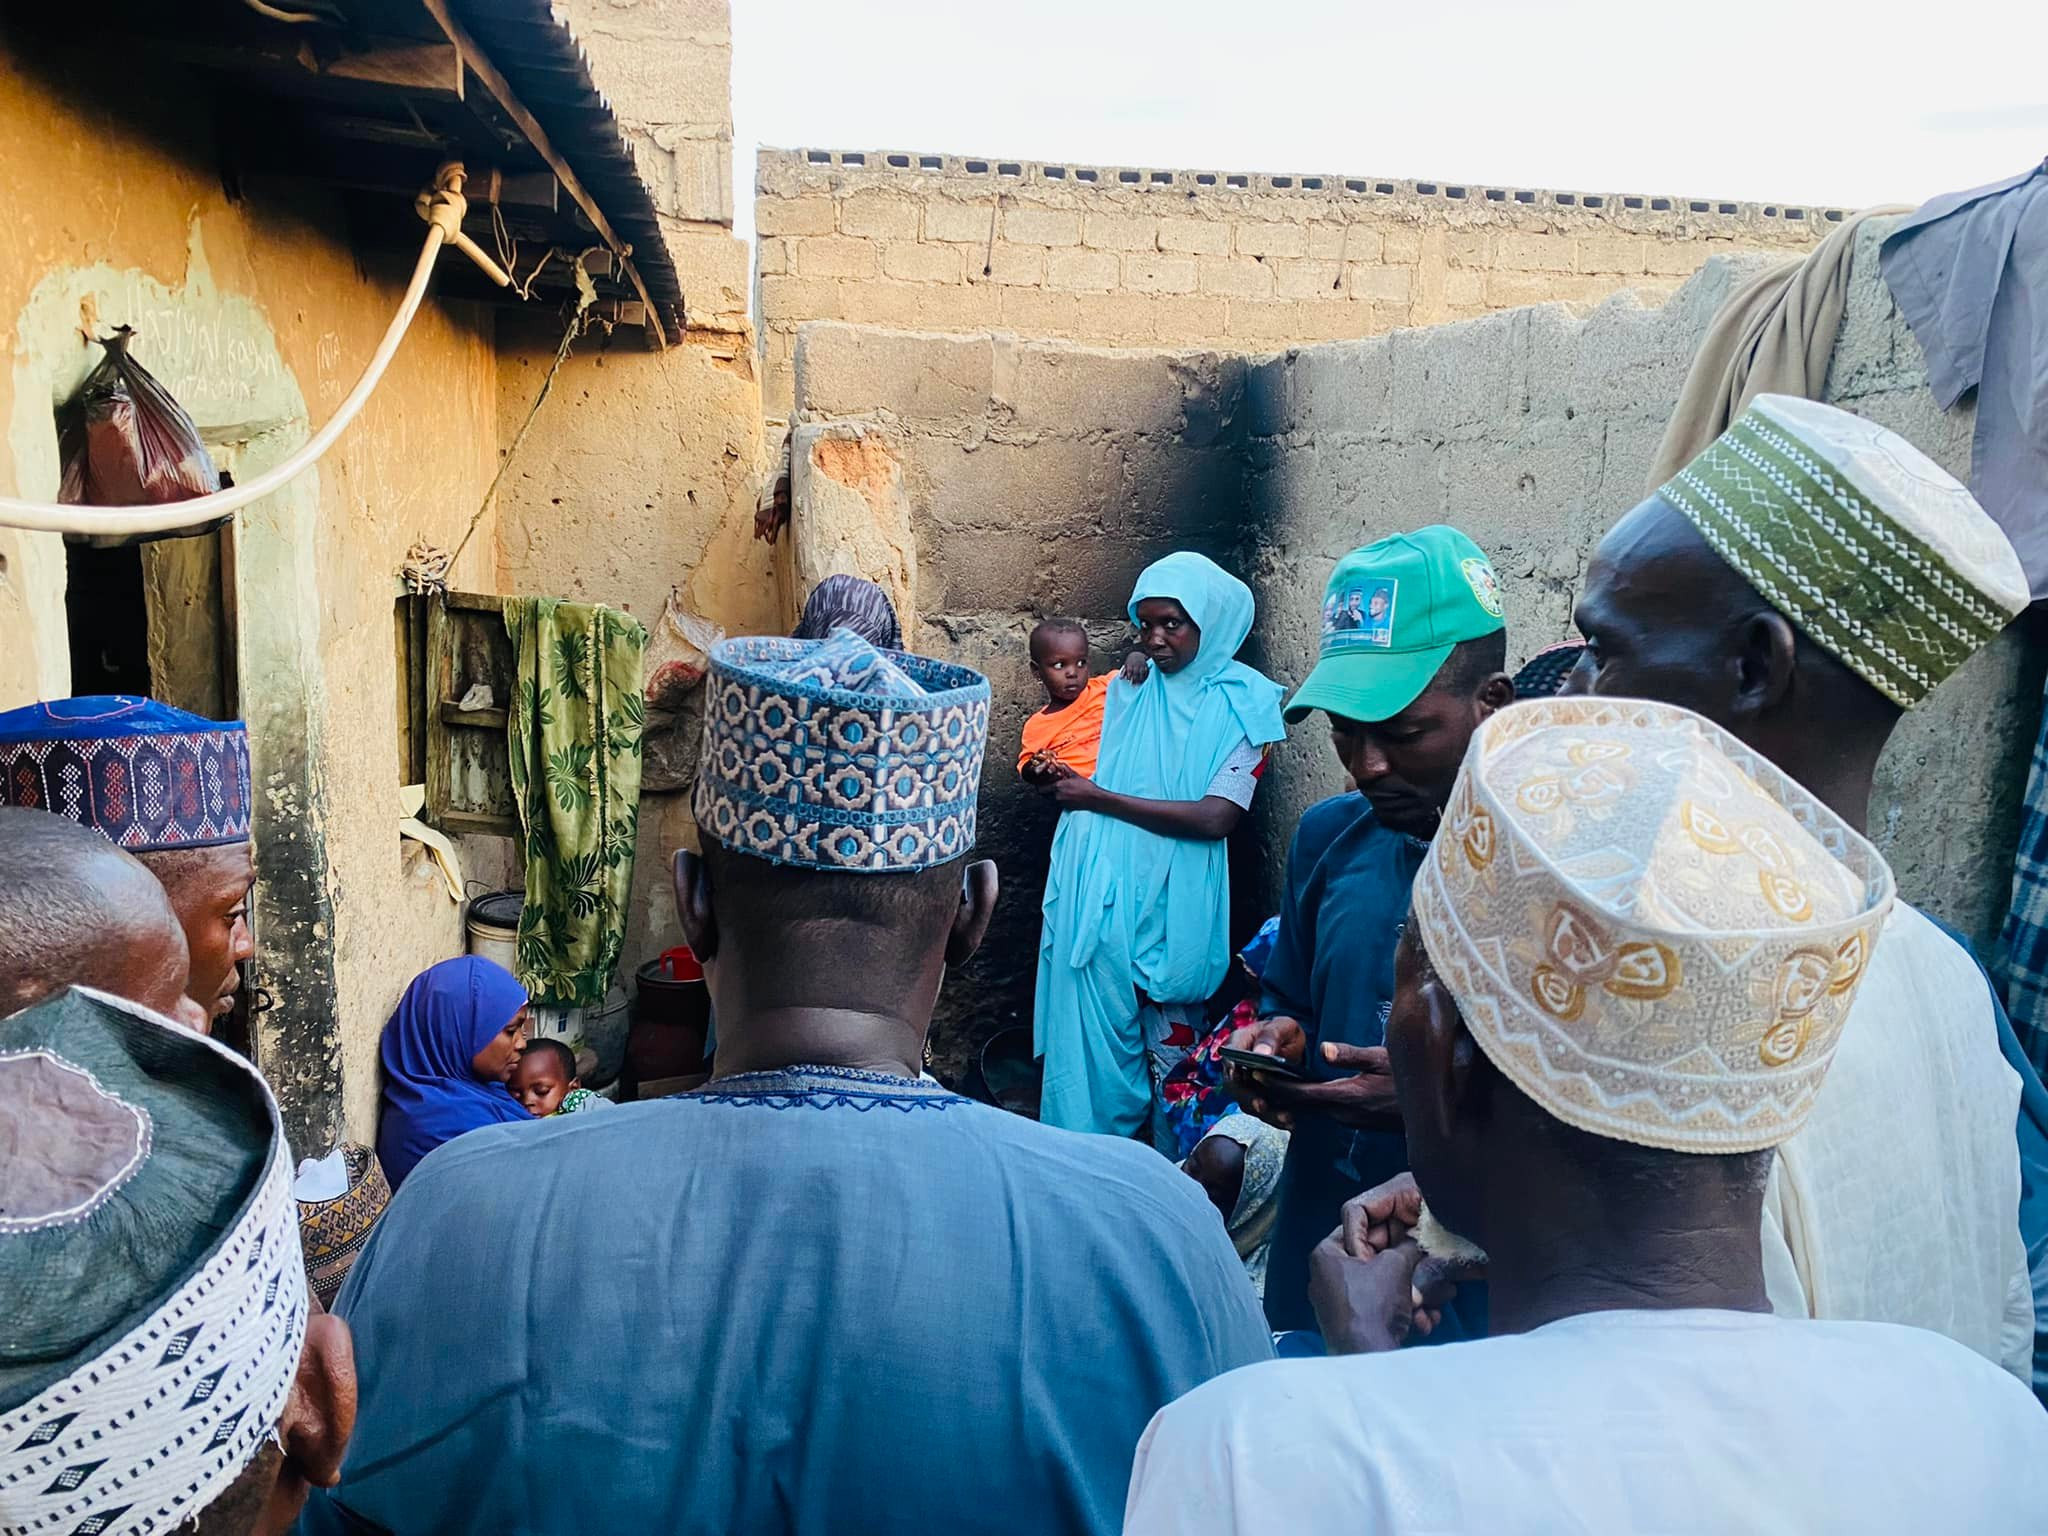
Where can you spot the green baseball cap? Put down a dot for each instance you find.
(1392, 613)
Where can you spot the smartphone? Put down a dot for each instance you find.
(1252, 1061)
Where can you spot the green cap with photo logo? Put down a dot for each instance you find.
(1392, 613)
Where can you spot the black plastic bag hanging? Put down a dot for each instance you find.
(124, 441)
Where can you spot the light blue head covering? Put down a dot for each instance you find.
(1165, 738)
(1125, 908)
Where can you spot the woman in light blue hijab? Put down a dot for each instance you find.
(1137, 901)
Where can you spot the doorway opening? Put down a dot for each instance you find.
(107, 619)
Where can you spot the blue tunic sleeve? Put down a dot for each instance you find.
(1289, 985)
(1284, 986)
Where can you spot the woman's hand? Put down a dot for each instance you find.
(1072, 792)
(1209, 819)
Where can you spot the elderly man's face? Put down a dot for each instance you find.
(1659, 613)
(1423, 1028)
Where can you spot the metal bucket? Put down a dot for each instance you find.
(493, 925)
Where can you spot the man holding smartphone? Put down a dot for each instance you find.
(1403, 697)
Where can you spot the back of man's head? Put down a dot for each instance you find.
(806, 937)
(1607, 1173)
(1633, 947)
(1667, 618)
(80, 912)
(1855, 574)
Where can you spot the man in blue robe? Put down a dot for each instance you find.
(1402, 701)
(823, 1293)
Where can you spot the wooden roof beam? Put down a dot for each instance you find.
(501, 90)
(432, 70)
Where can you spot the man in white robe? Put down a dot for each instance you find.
(1633, 950)
(1802, 583)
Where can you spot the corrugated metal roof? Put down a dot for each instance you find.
(549, 71)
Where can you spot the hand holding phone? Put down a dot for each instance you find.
(1253, 1061)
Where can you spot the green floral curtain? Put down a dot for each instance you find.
(574, 732)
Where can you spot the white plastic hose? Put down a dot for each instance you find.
(443, 213)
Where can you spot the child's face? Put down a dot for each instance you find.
(1059, 660)
(539, 1082)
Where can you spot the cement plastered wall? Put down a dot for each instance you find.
(1533, 431)
(1038, 478)
(258, 316)
(665, 66)
(643, 469)
(1242, 262)
(1030, 478)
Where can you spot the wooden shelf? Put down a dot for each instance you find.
(480, 719)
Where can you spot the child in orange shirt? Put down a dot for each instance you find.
(1067, 733)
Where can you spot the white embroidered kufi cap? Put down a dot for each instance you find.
(1648, 928)
(152, 1296)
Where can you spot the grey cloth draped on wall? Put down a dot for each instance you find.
(1970, 273)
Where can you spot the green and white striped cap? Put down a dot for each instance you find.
(1856, 536)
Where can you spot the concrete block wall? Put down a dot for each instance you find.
(666, 68)
(1534, 431)
(1242, 262)
(992, 481)
(1040, 477)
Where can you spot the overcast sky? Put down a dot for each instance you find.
(1847, 102)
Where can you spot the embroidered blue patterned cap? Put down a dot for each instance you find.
(146, 775)
(152, 1296)
(834, 755)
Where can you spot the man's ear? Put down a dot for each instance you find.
(1497, 692)
(1766, 657)
(319, 1416)
(693, 904)
(977, 905)
(1445, 1056)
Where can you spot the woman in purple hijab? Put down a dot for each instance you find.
(447, 1051)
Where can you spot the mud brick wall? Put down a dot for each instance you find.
(1235, 261)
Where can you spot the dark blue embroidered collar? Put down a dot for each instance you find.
(816, 1087)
